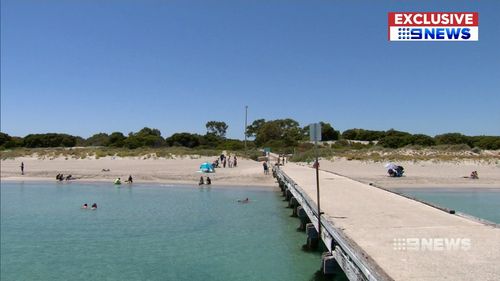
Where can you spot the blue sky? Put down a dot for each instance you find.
(83, 67)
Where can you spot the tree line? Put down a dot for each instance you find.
(278, 134)
(146, 137)
(396, 139)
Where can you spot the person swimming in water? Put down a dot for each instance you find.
(94, 206)
(85, 206)
(246, 200)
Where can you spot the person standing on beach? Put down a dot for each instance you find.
(266, 168)
(130, 180)
(22, 168)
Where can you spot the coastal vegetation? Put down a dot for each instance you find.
(284, 136)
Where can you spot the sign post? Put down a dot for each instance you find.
(315, 135)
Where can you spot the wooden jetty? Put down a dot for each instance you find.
(374, 234)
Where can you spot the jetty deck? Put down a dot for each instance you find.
(385, 236)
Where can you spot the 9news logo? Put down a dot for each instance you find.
(433, 26)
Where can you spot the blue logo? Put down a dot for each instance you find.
(434, 33)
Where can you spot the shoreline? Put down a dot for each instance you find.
(161, 184)
(136, 183)
(249, 173)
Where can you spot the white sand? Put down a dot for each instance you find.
(422, 174)
(182, 170)
(249, 173)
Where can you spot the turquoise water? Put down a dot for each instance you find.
(478, 202)
(149, 233)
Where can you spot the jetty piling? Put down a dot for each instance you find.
(303, 218)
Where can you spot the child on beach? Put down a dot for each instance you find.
(130, 180)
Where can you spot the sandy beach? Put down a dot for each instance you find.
(184, 170)
(422, 174)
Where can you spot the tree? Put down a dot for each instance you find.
(145, 137)
(395, 139)
(116, 139)
(328, 133)
(184, 139)
(268, 131)
(217, 128)
(231, 145)
(350, 134)
(363, 135)
(7, 141)
(14, 142)
(254, 128)
(487, 142)
(148, 132)
(49, 140)
(423, 140)
(210, 141)
(280, 132)
(4, 138)
(453, 138)
(100, 139)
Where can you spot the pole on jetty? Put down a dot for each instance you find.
(315, 135)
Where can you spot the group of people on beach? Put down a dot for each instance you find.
(86, 206)
(224, 160)
(119, 180)
(281, 160)
(60, 177)
(202, 182)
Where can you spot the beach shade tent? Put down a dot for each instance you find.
(391, 166)
(394, 170)
(207, 168)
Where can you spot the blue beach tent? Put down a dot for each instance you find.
(207, 168)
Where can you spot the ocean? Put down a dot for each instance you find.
(149, 232)
(482, 203)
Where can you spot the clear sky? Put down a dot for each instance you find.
(88, 66)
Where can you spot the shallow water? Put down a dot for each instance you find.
(479, 202)
(148, 233)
